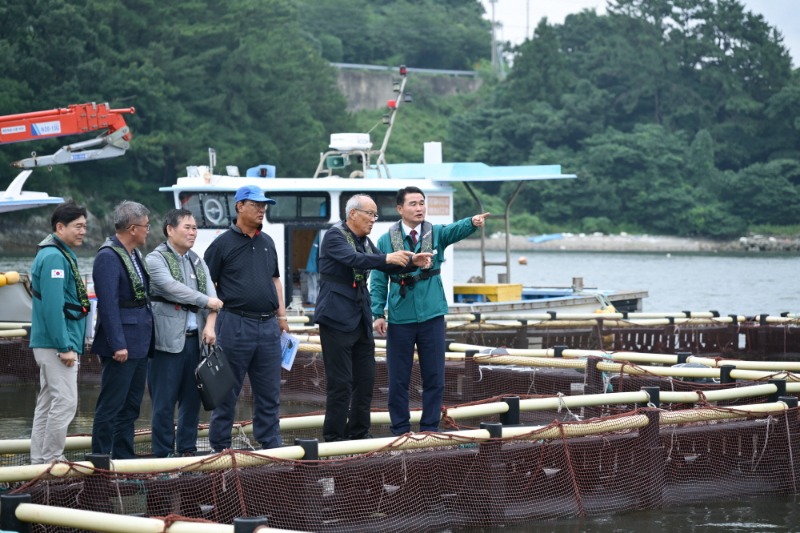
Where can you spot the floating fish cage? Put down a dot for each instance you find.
(572, 422)
(595, 455)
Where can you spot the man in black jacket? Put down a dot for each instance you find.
(345, 318)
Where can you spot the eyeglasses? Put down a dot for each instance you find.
(372, 214)
(261, 206)
(145, 226)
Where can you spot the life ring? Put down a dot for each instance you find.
(212, 209)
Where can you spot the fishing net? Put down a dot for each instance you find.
(561, 461)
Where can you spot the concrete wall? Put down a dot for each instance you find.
(371, 87)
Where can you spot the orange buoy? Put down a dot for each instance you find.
(12, 277)
(3, 280)
(522, 260)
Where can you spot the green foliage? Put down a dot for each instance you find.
(678, 116)
(528, 224)
(419, 33)
(597, 224)
(775, 229)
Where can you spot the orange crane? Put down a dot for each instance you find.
(113, 141)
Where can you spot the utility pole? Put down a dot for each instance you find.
(495, 59)
(528, 19)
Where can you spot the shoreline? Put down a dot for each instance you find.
(579, 242)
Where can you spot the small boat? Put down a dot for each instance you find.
(15, 199)
(16, 298)
(536, 239)
(307, 207)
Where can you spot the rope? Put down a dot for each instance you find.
(573, 476)
(563, 404)
(789, 446)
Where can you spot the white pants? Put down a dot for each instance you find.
(55, 406)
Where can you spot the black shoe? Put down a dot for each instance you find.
(360, 437)
(187, 454)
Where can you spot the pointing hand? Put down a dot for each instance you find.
(479, 220)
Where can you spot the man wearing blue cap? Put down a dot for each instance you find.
(243, 264)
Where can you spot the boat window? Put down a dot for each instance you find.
(386, 202)
(299, 206)
(210, 210)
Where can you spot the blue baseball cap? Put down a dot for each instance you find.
(253, 193)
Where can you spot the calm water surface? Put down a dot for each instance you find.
(740, 284)
(728, 283)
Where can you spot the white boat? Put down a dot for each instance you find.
(16, 300)
(15, 199)
(307, 206)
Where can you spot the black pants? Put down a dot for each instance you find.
(350, 373)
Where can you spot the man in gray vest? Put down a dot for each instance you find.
(185, 306)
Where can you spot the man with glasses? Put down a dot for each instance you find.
(243, 264)
(343, 313)
(58, 330)
(124, 335)
(417, 305)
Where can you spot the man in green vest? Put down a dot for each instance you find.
(417, 305)
(124, 331)
(58, 330)
(185, 306)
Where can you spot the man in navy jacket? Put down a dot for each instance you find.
(124, 335)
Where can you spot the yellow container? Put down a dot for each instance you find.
(488, 292)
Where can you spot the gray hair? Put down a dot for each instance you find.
(127, 213)
(355, 203)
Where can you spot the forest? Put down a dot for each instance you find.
(680, 117)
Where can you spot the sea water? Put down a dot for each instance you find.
(743, 284)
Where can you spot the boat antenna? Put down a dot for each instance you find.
(399, 88)
(347, 150)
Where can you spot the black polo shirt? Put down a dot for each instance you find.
(243, 269)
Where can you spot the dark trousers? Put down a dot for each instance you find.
(170, 379)
(350, 373)
(253, 347)
(400, 340)
(121, 392)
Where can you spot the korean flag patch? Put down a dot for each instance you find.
(57, 273)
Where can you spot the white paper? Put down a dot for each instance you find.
(289, 345)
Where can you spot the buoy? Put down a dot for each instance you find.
(522, 260)
(12, 277)
(2, 280)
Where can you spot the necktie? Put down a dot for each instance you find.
(413, 235)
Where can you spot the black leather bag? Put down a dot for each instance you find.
(215, 378)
